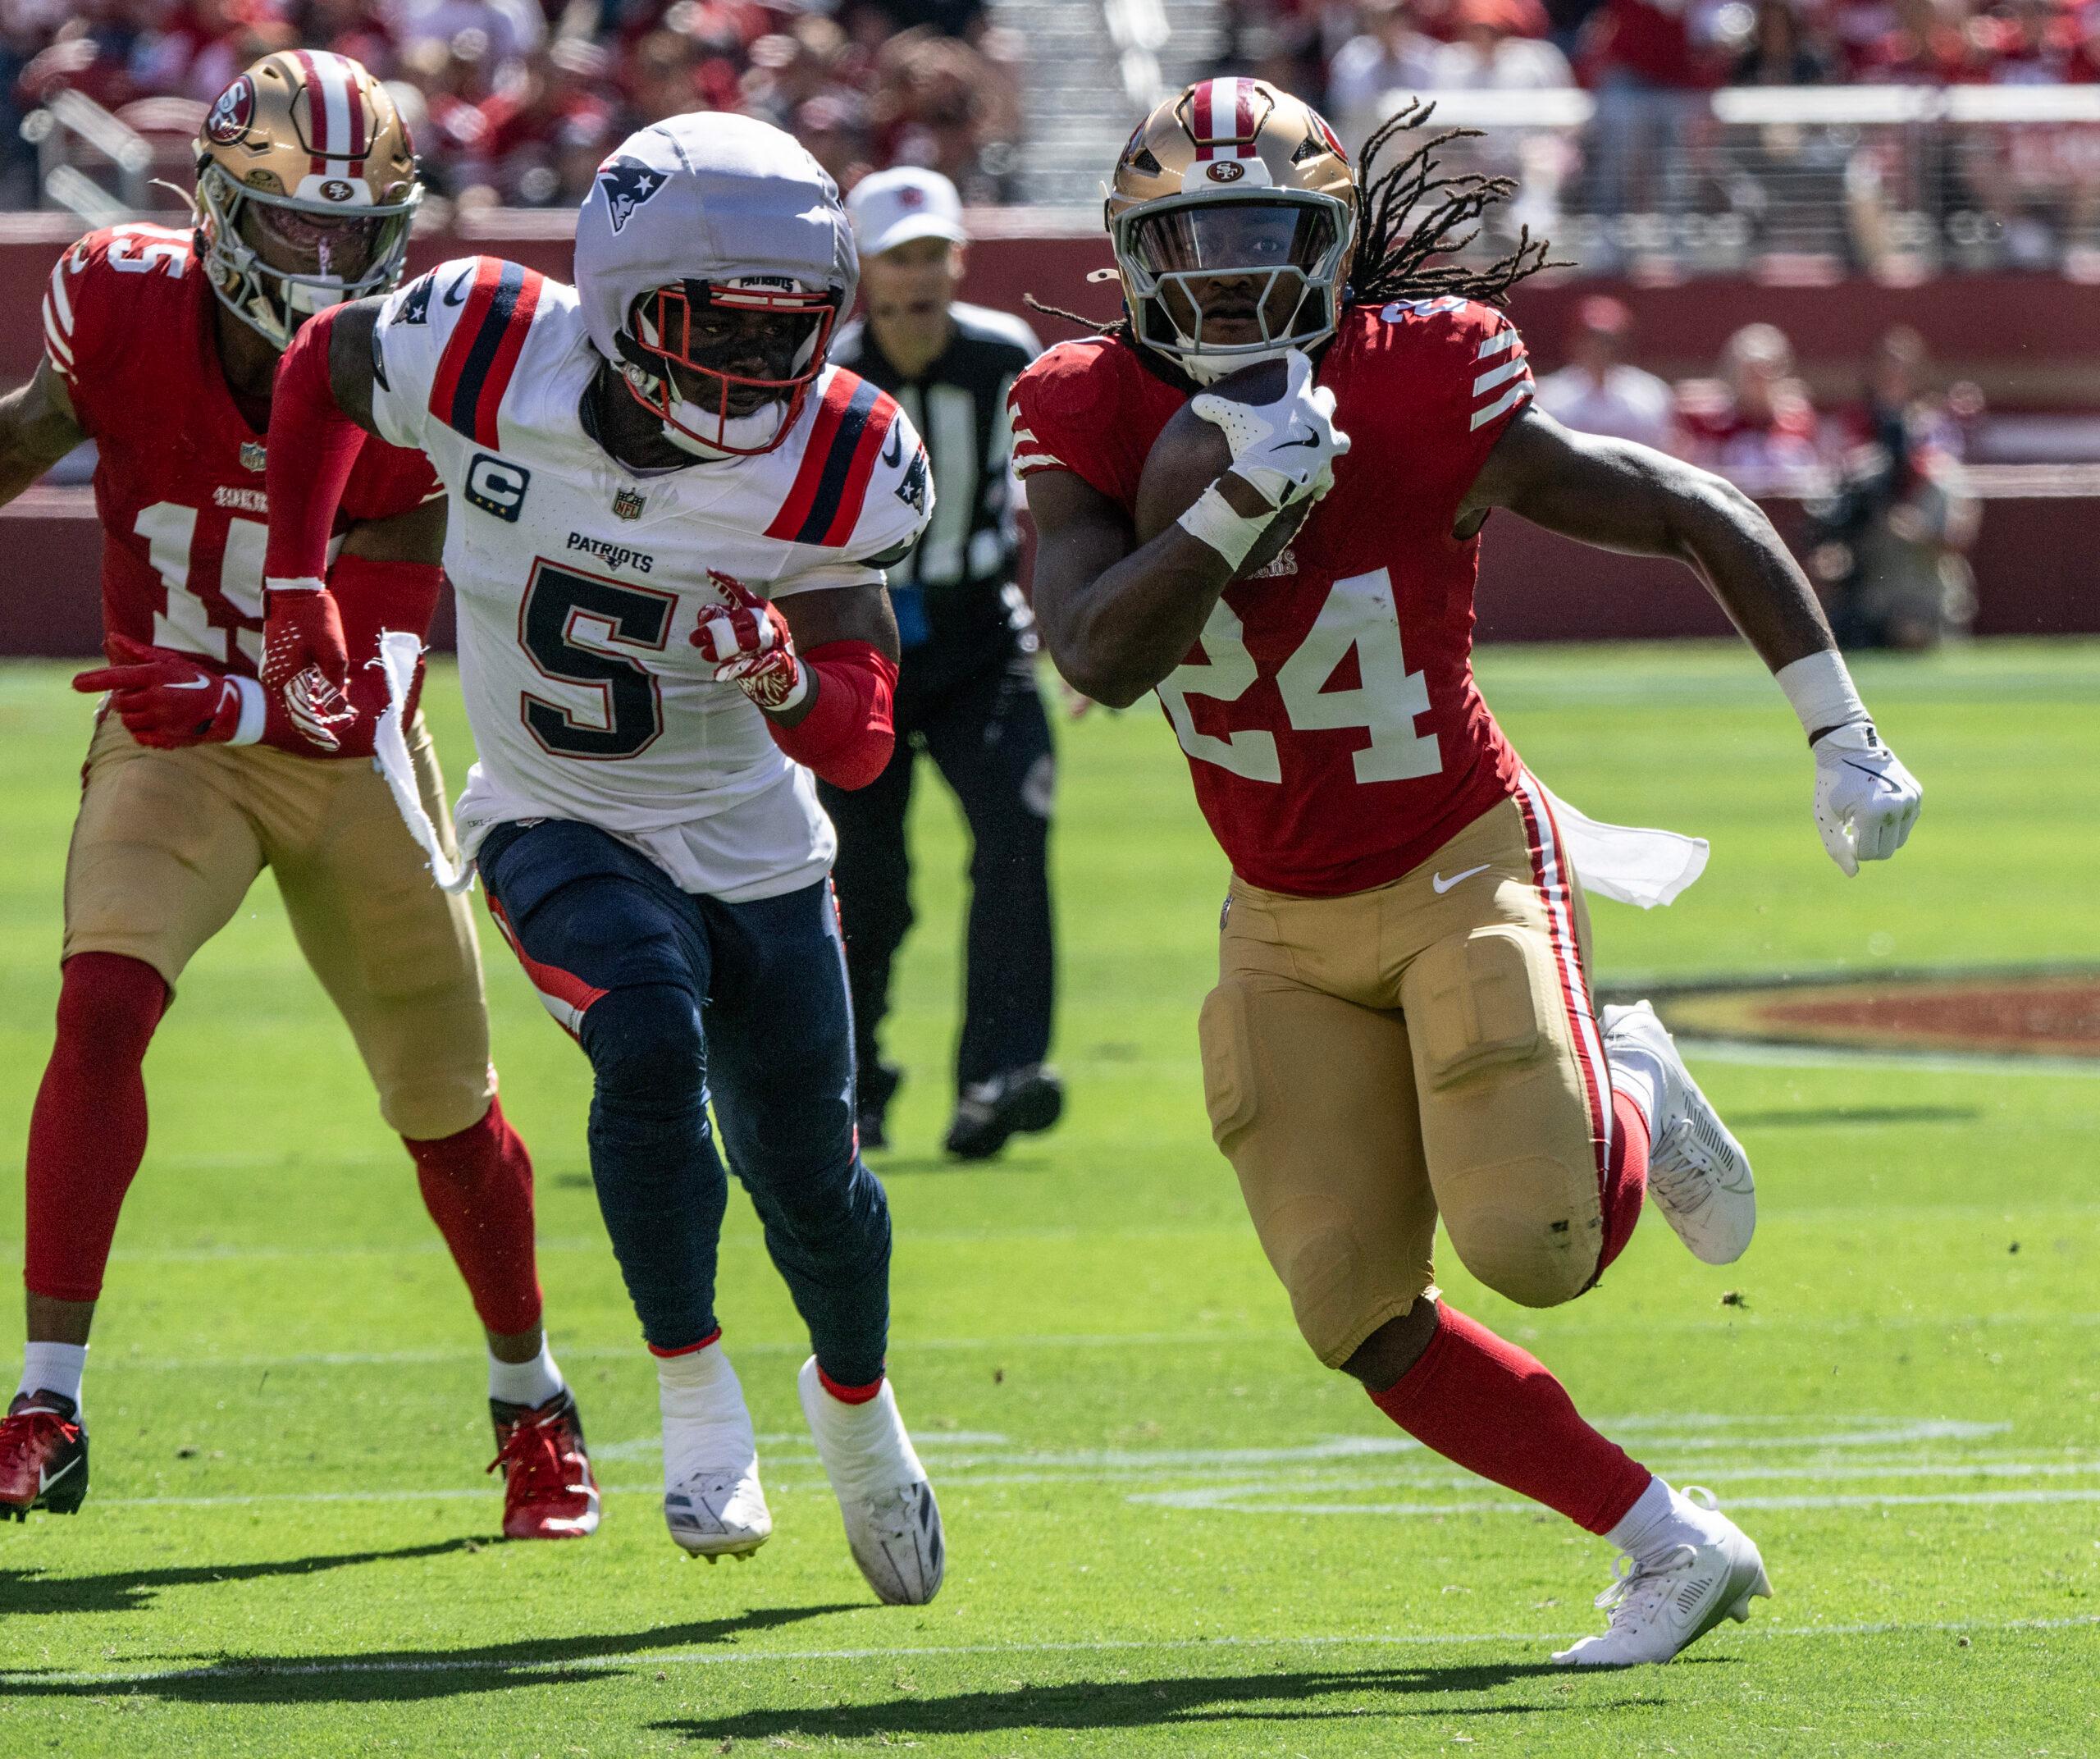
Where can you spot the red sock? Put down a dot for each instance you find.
(88, 1132)
(1496, 1410)
(1626, 1180)
(477, 1185)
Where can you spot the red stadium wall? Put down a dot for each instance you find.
(2034, 559)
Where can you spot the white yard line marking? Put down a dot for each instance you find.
(29, 1678)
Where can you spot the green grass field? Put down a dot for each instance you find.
(1171, 1532)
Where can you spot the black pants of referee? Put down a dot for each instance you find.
(988, 737)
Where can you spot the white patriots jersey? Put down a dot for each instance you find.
(579, 583)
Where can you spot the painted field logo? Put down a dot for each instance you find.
(2049, 1012)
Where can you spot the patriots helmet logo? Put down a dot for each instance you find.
(628, 184)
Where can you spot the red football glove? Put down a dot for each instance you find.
(748, 639)
(167, 699)
(303, 627)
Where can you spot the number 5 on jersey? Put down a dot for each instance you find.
(1359, 616)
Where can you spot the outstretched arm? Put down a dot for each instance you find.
(1617, 495)
(37, 428)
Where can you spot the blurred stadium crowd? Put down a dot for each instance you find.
(516, 101)
(1886, 523)
(1659, 132)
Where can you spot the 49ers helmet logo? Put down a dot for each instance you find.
(231, 115)
(1225, 171)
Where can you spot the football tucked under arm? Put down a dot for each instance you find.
(1190, 455)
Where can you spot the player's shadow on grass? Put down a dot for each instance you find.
(25, 1591)
(1096, 1704)
(401, 1675)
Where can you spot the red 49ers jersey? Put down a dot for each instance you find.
(128, 323)
(1329, 711)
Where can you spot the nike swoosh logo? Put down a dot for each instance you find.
(1442, 885)
(456, 294)
(46, 1480)
(1877, 774)
(194, 683)
(893, 453)
(1311, 439)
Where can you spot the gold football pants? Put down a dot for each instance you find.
(167, 843)
(1372, 1060)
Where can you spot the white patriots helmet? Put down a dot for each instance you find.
(721, 212)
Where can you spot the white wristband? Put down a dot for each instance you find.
(255, 708)
(1214, 521)
(296, 583)
(1821, 690)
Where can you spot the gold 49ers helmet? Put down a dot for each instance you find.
(306, 184)
(1233, 216)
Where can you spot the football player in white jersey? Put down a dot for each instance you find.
(671, 520)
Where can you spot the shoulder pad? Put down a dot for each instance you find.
(129, 262)
(857, 435)
(482, 310)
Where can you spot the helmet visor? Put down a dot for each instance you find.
(1249, 237)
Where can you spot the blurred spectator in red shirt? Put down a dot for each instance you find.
(1598, 392)
(1651, 62)
(1753, 424)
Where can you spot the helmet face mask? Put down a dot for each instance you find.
(1233, 217)
(306, 190)
(713, 258)
(726, 365)
(1232, 279)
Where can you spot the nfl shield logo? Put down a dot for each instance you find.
(251, 455)
(628, 503)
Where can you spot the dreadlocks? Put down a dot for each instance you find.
(1392, 256)
(1392, 260)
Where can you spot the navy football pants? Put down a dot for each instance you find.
(678, 999)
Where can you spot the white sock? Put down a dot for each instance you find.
(53, 1368)
(1659, 1520)
(1639, 1077)
(706, 1425)
(527, 1383)
(864, 1447)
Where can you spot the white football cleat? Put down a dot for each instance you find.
(892, 1522)
(1697, 1172)
(713, 1502)
(1661, 1608)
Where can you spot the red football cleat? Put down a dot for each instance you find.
(548, 1491)
(44, 1455)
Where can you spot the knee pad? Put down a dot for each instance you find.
(646, 1046)
(1530, 1228)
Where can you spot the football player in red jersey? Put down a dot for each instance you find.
(162, 346)
(1402, 1027)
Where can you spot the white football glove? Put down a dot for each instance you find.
(1285, 450)
(1865, 800)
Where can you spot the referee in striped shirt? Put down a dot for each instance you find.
(966, 693)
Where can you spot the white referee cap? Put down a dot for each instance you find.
(891, 207)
